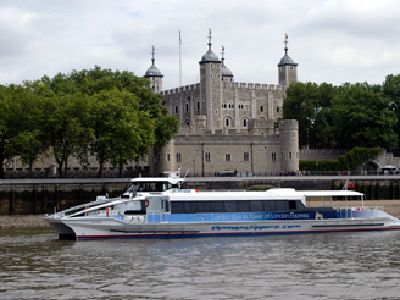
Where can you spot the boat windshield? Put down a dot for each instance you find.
(153, 187)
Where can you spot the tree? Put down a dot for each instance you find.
(123, 133)
(66, 128)
(391, 88)
(362, 117)
(300, 104)
(29, 141)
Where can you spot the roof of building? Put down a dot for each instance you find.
(153, 71)
(286, 60)
(225, 72)
(210, 56)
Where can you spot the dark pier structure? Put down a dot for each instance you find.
(43, 196)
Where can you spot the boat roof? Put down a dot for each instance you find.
(246, 196)
(330, 193)
(172, 180)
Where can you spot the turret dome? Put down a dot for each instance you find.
(153, 71)
(286, 60)
(225, 72)
(210, 56)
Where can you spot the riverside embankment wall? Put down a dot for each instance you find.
(40, 196)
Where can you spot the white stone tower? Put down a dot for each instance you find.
(154, 74)
(287, 68)
(210, 87)
(289, 144)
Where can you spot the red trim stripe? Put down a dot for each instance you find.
(201, 234)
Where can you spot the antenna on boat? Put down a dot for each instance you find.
(186, 173)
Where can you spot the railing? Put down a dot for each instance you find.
(359, 208)
(354, 211)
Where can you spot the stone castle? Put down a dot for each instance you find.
(228, 127)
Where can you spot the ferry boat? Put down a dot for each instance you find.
(139, 187)
(182, 214)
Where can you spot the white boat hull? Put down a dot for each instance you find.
(111, 228)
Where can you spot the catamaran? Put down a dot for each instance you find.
(186, 213)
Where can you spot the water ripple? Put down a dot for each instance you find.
(330, 266)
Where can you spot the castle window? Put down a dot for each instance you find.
(273, 156)
(178, 157)
(228, 122)
(153, 87)
(290, 155)
(188, 98)
(198, 106)
(187, 107)
(261, 108)
(176, 109)
(168, 157)
(227, 157)
(231, 79)
(277, 109)
(244, 122)
(207, 156)
(246, 156)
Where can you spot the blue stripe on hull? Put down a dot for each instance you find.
(230, 234)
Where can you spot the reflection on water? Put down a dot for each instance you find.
(334, 266)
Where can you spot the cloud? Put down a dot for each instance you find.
(335, 40)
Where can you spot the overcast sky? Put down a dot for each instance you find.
(333, 41)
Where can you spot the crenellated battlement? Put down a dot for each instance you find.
(252, 86)
(289, 124)
(182, 89)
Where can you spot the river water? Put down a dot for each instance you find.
(35, 265)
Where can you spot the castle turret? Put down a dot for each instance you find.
(154, 74)
(226, 74)
(210, 86)
(289, 144)
(287, 68)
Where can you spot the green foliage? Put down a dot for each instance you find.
(345, 116)
(319, 165)
(354, 158)
(350, 161)
(362, 118)
(109, 113)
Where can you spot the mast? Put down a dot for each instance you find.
(180, 59)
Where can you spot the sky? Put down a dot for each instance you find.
(334, 41)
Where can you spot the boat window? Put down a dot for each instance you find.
(190, 207)
(230, 206)
(177, 207)
(292, 204)
(150, 187)
(243, 206)
(203, 206)
(217, 206)
(255, 205)
(193, 207)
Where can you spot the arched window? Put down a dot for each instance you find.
(261, 108)
(228, 122)
(277, 109)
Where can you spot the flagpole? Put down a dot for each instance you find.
(180, 59)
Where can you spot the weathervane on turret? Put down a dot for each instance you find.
(209, 40)
(222, 54)
(153, 50)
(286, 42)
